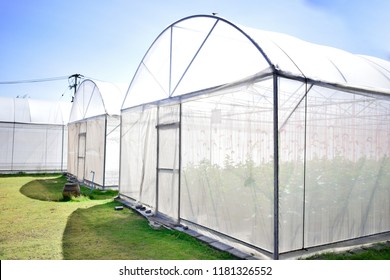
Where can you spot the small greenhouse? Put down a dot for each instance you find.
(33, 135)
(258, 139)
(93, 145)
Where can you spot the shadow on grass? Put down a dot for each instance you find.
(35, 175)
(51, 190)
(102, 233)
(45, 189)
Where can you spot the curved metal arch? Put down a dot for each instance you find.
(95, 87)
(236, 27)
(217, 18)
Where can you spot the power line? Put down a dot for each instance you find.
(34, 80)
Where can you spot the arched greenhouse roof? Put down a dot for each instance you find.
(96, 98)
(25, 110)
(203, 52)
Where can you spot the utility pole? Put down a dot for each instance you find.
(73, 83)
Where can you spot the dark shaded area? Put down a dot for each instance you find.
(45, 189)
(24, 174)
(52, 190)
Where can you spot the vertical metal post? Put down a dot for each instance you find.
(304, 170)
(76, 157)
(120, 153)
(13, 145)
(13, 138)
(170, 65)
(85, 151)
(62, 148)
(276, 169)
(105, 152)
(45, 150)
(158, 154)
(179, 172)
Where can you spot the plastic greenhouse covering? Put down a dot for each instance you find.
(258, 139)
(33, 135)
(93, 151)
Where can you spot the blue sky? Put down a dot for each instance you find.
(107, 39)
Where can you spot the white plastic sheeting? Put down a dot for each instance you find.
(33, 135)
(258, 139)
(93, 152)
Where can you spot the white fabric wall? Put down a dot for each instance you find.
(347, 166)
(227, 170)
(33, 135)
(334, 170)
(112, 151)
(6, 147)
(139, 155)
(32, 147)
(93, 148)
(72, 148)
(334, 166)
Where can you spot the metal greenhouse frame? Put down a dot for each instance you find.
(93, 151)
(257, 139)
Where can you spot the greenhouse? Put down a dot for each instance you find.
(93, 145)
(33, 135)
(258, 139)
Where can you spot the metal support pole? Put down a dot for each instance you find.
(179, 172)
(62, 148)
(304, 168)
(120, 153)
(276, 170)
(158, 156)
(104, 152)
(13, 137)
(93, 181)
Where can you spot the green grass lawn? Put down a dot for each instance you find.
(380, 251)
(37, 223)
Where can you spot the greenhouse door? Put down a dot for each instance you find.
(168, 166)
(81, 156)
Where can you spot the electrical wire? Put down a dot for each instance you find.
(34, 80)
(46, 80)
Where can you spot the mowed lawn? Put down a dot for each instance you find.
(36, 223)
